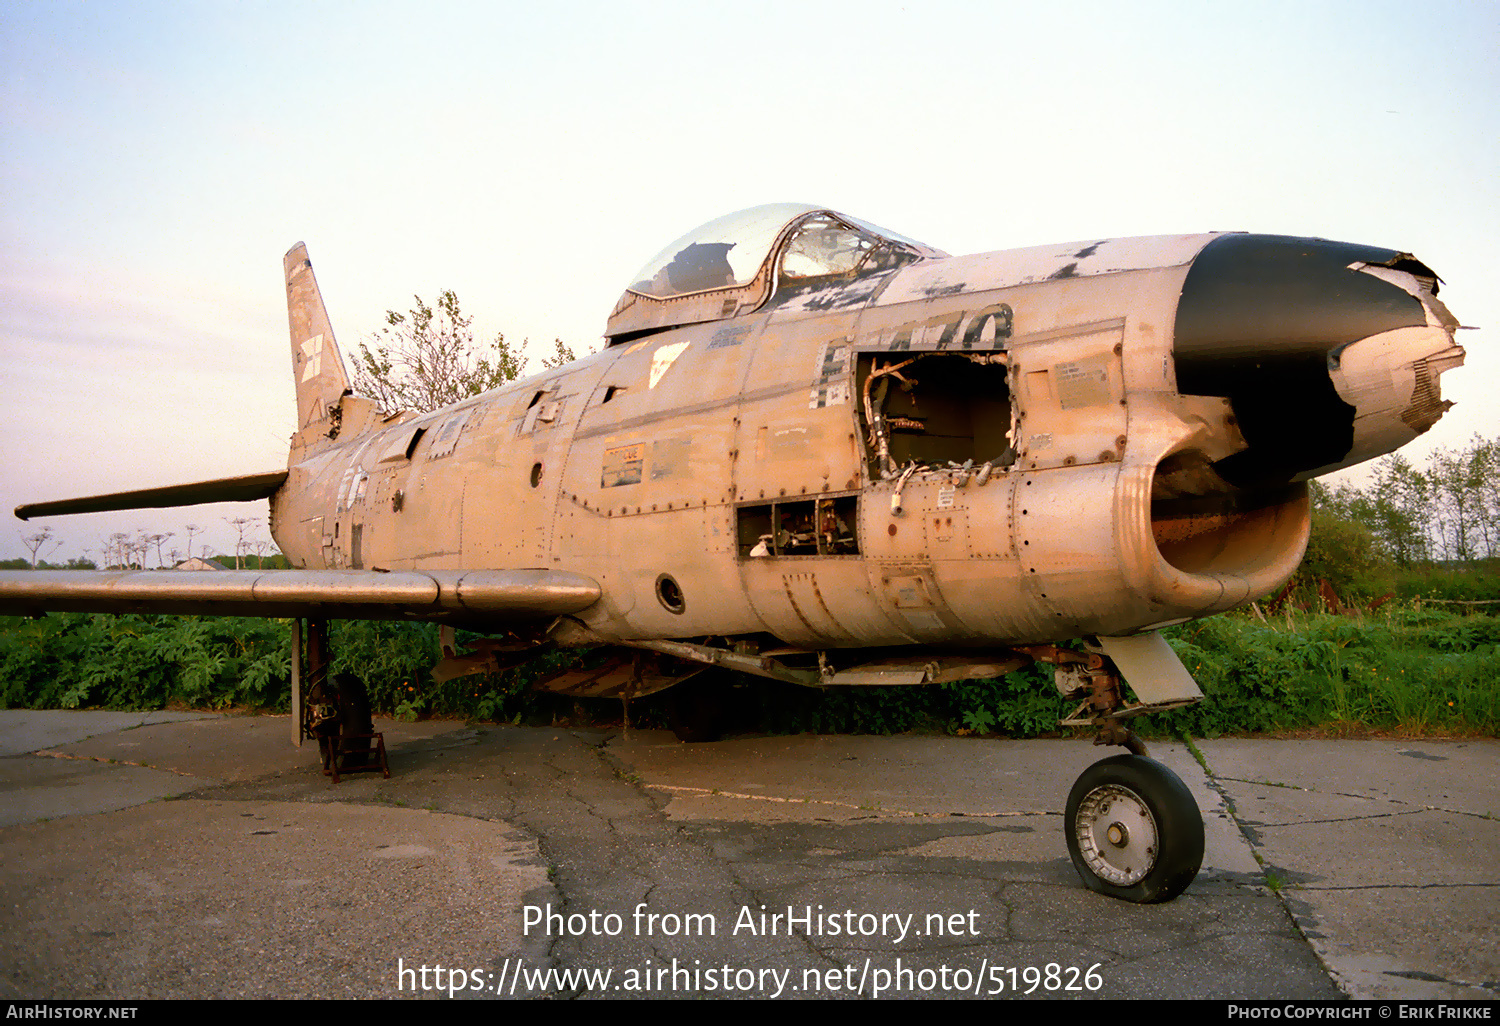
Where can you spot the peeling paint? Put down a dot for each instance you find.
(662, 360)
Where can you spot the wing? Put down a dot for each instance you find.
(460, 597)
(226, 489)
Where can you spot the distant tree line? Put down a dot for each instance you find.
(1447, 512)
(1413, 532)
(274, 561)
(20, 563)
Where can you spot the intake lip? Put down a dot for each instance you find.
(1259, 319)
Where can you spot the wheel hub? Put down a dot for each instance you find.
(1117, 835)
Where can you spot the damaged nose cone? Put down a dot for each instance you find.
(1329, 352)
(1391, 380)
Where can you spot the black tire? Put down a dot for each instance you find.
(354, 718)
(320, 718)
(698, 708)
(1134, 831)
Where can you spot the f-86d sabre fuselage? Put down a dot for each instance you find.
(820, 452)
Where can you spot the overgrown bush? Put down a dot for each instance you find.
(75, 660)
(1409, 667)
(1399, 668)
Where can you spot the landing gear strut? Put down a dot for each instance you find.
(334, 710)
(1133, 829)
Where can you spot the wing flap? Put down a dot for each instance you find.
(247, 488)
(453, 596)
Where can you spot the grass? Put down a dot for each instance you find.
(1407, 670)
(1402, 670)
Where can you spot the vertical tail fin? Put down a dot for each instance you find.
(316, 363)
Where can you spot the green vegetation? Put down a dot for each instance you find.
(78, 660)
(1403, 668)
(1410, 668)
(428, 358)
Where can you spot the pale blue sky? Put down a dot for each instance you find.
(157, 159)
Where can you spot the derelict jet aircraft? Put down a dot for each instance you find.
(816, 451)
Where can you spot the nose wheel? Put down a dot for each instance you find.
(1134, 831)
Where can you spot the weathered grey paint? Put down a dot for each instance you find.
(659, 457)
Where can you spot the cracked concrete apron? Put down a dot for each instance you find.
(797, 866)
(1387, 854)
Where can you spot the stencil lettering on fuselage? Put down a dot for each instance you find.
(622, 465)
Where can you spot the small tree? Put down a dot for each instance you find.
(241, 525)
(561, 354)
(1342, 549)
(426, 359)
(34, 543)
(1400, 509)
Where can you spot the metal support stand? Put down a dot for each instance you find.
(297, 681)
(333, 757)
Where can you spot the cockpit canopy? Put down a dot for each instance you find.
(733, 264)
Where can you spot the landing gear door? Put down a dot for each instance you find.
(1071, 398)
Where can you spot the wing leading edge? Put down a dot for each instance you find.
(447, 596)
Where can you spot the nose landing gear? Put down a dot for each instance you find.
(1134, 831)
